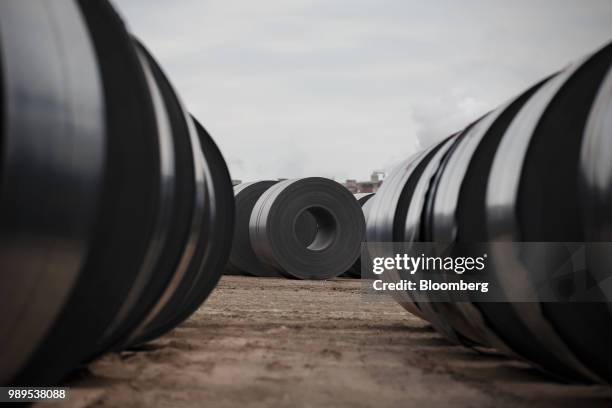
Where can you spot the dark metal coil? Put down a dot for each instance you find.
(388, 210)
(363, 199)
(212, 250)
(340, 228)
(525, 202)
(126, 222)
(242, 258)
(49, 198)
(535, 170)
(154, 270)
(177, 263)
(446, 313)
(415, 229)
(452, 208)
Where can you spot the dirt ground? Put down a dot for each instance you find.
(275, 342)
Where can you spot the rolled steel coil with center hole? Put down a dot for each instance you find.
(277, 236)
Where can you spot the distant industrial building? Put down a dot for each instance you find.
(369, 186)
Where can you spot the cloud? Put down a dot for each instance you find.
(342, 87)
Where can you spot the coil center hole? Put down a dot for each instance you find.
(315, 228)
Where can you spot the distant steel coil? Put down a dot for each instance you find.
(340, 228)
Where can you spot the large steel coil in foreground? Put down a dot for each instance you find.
(213, 253)
(538, 169)
(116, 210)
(334, 247)
(526, 202)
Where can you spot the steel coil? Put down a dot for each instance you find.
(242, 258)
(456, 206)
(126, 221)
(212, 249)
(525, 202)
(363, 199)
(535, 170)
(387, 213)
(340, 228)
(49, 208)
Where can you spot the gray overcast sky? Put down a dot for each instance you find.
(338, 88)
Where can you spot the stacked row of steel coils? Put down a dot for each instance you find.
(116, 208)
(537, 169)
(309, 228)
